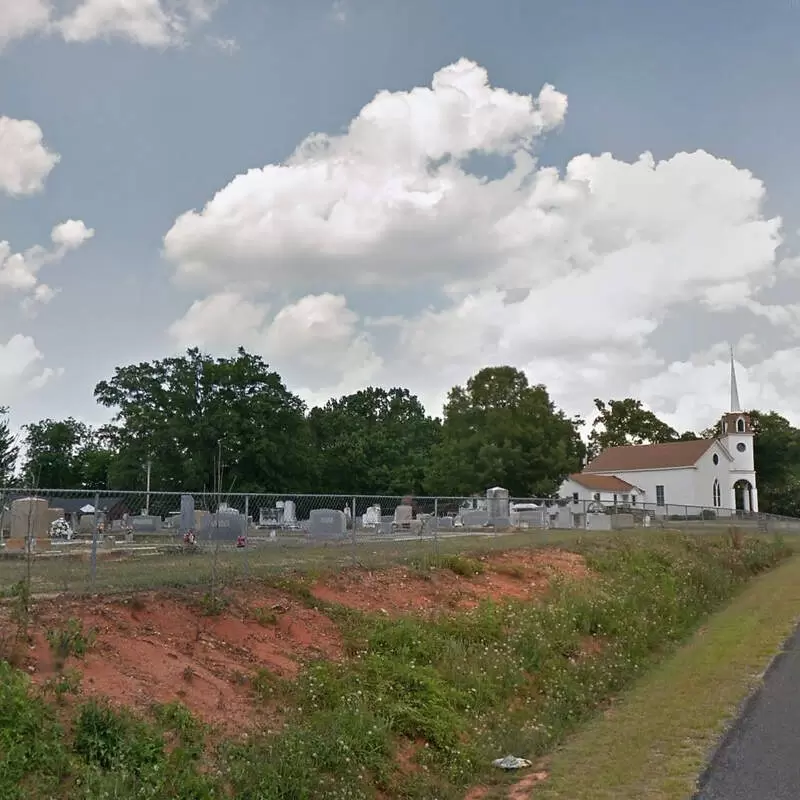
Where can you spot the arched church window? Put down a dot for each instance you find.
(740, 425)
(717, 494)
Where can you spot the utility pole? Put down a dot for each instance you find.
(149, 467)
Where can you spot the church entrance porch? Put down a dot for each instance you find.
(744, 497)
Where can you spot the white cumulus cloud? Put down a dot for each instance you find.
(25, 161)
(21, 369)
(221, 321)
(71, 234)
(315, 343)
(20, 271)
(568, 273)
(389, 196)
(150, 23)
(20, 18)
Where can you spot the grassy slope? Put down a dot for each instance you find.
(656, 741)
(516, 677)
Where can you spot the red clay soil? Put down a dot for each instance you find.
(156, 648)
(521, 790)
(517, 574)
(159, 647)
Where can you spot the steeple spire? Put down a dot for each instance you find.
(735, 405)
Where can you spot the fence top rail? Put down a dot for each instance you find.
(672, 509)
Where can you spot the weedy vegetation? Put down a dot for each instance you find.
(463, 688)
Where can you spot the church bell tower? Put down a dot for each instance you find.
(736, 434)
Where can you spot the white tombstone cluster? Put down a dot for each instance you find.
(282, 517)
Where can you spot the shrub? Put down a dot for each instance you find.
(33, 759)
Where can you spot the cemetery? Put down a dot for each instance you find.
(49, 527)
(37, 526)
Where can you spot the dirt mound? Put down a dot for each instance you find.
(516, 574)
(162, 647)
(157, 648)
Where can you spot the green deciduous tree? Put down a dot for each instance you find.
(625, 422)
(375, 441)
(64, 454)
(178, 409)
(776, 450)
(498, 430)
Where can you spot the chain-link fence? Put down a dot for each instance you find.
(79, 541)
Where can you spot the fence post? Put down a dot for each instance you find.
(246, 534)
(93, 562)
(353, 535)
(436, 527)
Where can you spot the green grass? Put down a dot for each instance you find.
(656, 741)
(462, 689)
(178, 569)
(173, 568)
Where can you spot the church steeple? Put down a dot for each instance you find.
(735, 405)
(735, 421)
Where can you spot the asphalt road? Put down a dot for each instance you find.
(759, 759)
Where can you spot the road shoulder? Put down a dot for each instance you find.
(657, 740)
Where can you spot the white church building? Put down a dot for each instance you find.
(714, 473)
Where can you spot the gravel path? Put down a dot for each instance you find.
(760, 758)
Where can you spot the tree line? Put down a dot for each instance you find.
(179, 413)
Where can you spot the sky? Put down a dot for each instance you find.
(376, 192)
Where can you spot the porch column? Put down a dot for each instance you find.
(746, 500)
(733, 498)
(755, 499)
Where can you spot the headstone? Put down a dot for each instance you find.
(622, 521)
(403, 514)
(289, 512)
(444, 523)
(30, 518)
(564, 519)
(267, 517)
(327, 523)
(598, 522)
(223, 526)
(474, 519)
(86, 522)
(530, 517)
(15, 545)
(142, 524)
(187, 519)
(497, 503)
(372, 517)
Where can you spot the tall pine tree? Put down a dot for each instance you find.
(9, 451)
